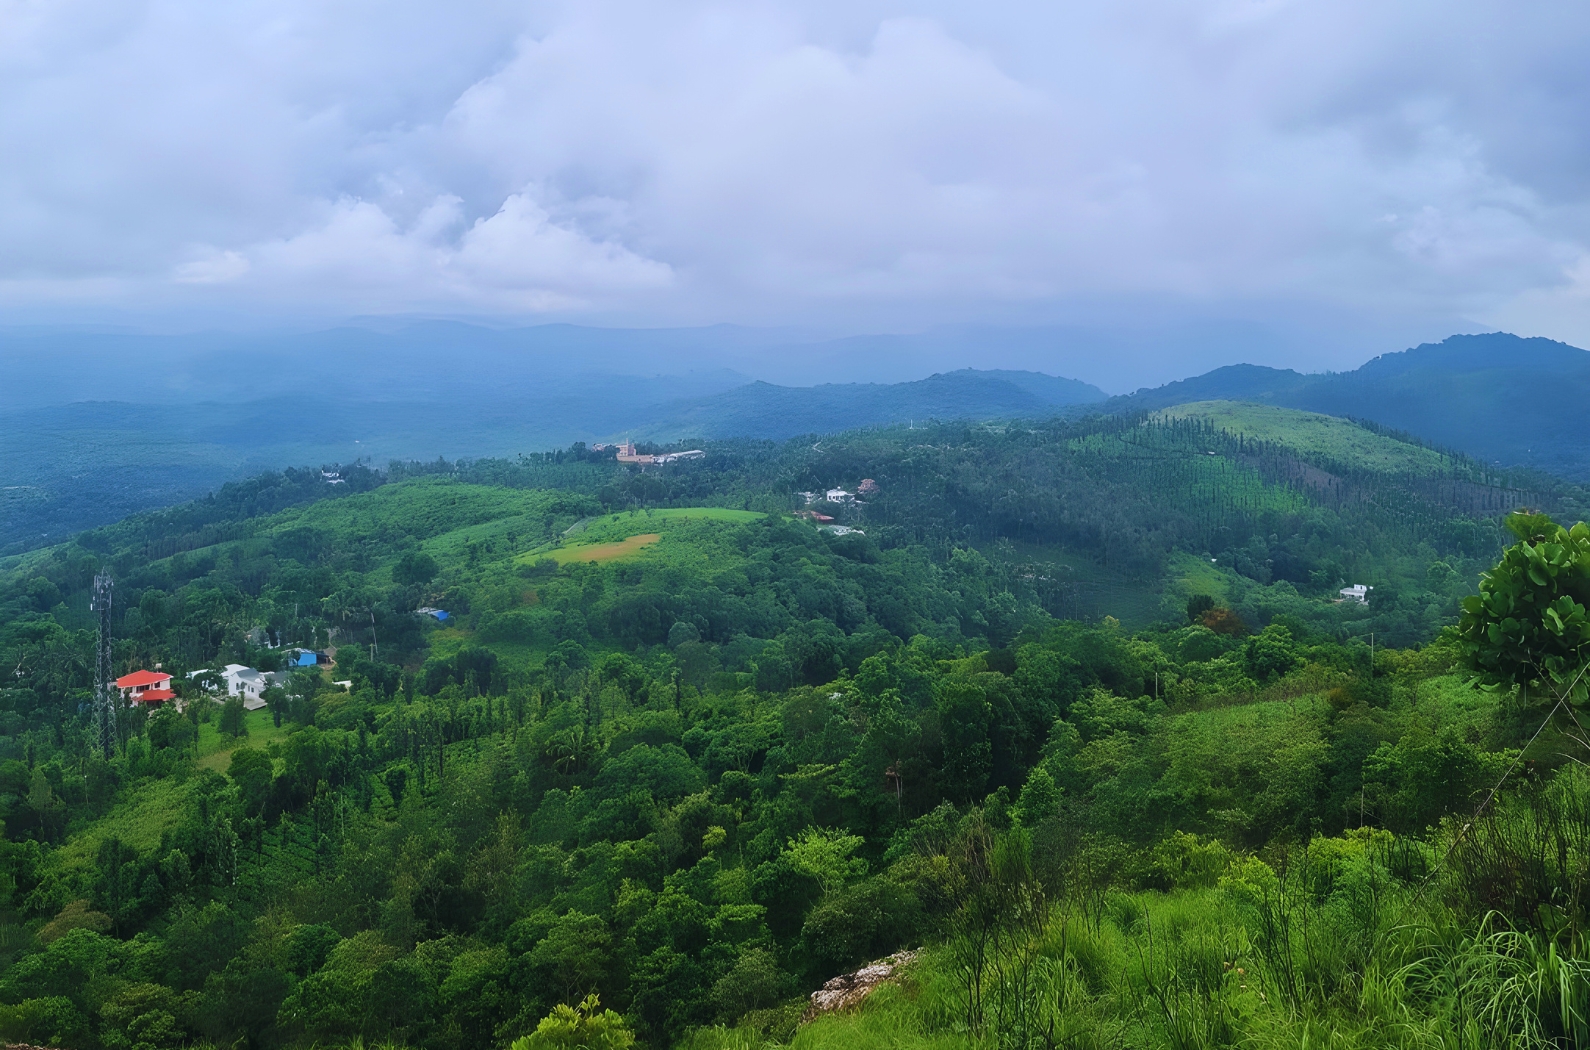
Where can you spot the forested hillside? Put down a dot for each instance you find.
(1076, 706)
(1466, 392)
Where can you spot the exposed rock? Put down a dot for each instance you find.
(848, 989)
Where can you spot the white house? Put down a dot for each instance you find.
(1356, 593)
(248, 683)
(838, 496)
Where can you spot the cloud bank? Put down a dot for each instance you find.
(1346, 165)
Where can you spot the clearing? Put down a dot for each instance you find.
(605, 551)
(215, 750)
(1313, 434)
(613, 537)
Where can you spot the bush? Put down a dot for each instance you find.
(579, 1027)
(754, 982)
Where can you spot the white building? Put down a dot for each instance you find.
(1356, 593)
(838, 496)
(248, 683)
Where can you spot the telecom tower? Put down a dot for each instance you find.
(104, 686)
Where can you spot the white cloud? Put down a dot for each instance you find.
(865, 163)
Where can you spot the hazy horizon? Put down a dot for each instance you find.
(1166, 187)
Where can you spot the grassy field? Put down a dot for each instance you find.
(1312, 434)
(215, 750)
(615, 537)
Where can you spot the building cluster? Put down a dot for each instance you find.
(836, 497)
(627, 453)
(154, 688)
(842, 497)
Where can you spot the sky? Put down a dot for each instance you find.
(1303, 182)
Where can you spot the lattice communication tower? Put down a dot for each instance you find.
(104, 685)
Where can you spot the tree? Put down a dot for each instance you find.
(251, 770)
(1040, 798)
(826, 857)
(234, 720)
(414, 569)
(1527, 628)
(1271, 654)
(278, 701)
(574, 954)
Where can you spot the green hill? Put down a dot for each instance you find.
(1074, 705)
(1471, 393)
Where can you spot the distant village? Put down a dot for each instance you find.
(627, 453)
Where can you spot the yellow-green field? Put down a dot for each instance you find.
(605, 551)
(614, 537)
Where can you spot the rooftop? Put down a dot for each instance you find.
(138, 679)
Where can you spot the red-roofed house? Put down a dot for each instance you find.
(146, 687)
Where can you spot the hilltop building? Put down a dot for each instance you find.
(627, 453)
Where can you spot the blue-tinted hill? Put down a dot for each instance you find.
(765, 410)
(1498, 397)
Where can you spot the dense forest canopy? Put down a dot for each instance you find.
(680, 744)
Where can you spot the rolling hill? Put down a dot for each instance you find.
(72, 466)
(1500, 398)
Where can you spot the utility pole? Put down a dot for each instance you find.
(105, 728)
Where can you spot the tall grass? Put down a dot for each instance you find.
(1328, 951)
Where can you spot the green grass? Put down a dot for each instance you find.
(1312, 434)
(215, 750)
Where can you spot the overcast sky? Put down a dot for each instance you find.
(1342, 177)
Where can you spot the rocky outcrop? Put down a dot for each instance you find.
(849, 989)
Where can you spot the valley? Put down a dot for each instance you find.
(697, 738)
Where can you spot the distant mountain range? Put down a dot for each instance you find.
(764, 410)
(65, 467)
(1497, 397)
(95, 428)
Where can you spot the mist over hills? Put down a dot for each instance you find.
(98, 425)
(69, 466)
(764, 410)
